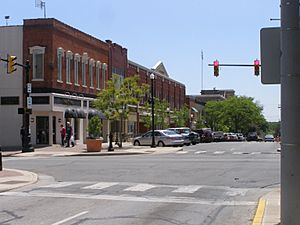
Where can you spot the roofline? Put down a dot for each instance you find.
(154, 72)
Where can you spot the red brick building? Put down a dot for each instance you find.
(68, 69)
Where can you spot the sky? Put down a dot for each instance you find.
(175, 32)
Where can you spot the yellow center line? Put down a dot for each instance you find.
(258, 218)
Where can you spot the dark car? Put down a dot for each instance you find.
(205, 135)
(252, 136)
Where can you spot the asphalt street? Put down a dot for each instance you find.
(213, 183)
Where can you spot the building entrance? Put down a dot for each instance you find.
(42, 130)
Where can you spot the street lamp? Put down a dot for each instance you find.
(152, 108)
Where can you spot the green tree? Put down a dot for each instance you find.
(160, 114)
(114, 100)
(181, 116)
(237, 113)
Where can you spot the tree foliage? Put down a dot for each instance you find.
(236, 114)
(114, 100)
(160, 114)
(181, 116)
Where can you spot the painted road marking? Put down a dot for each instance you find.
(181, 152)
(140, 187)
(152, 199)
(258, 218)
(219, 152)
(100, 185)
(255, 153)
(60, 184)
(70, 218)
(200, 152)
(237, 153)
(187, 189)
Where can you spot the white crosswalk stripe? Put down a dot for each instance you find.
(61, 184)
(200, 152)
(219, 152)
(238, 153)
(181, 152)
(100, 185)
(187, 189)
(140, 187)
(255, 153)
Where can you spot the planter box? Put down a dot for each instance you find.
(93, 145)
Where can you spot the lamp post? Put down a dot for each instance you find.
(152, 108)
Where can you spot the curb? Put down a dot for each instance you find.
(25, 178)
(259, 215)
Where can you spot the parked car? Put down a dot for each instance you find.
(185, 132)
(194, 137)
(205, 134)
(240, 137)
(231, 137)
(218, 136)
(252, 136)
(269, 137)
(161, 137)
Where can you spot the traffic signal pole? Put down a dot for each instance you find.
(27, 146)
(290, 112)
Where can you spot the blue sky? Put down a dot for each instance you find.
(175, 32)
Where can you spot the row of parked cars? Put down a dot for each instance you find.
(185, 136)
(170, 137)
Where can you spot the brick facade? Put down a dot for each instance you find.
(53, 34)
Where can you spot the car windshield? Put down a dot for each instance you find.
(169, 132)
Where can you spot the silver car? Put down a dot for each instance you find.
(161, 137)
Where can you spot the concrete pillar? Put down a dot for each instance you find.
(290, 112)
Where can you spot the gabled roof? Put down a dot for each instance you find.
(160, 68)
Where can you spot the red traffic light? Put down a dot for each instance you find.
(216, 68)
(256, 67)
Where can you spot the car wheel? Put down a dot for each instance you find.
(161, 144)
(136, 143)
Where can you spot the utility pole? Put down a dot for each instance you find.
(290, 112)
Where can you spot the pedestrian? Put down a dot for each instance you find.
(69, 133)
(22, 135)
(62, 134)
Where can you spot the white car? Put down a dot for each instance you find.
(161, 138)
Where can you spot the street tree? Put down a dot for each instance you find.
(181, 116)
(237, 113)
(115, 99)
(160, 114)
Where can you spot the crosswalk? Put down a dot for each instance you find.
(130, 187)
(201, 152)
(141, 192)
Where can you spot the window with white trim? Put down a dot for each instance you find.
(91, 72)
(76, 67)
(60, 55)
(83, 68)
(104, 70)
(69, 57)
(98, 68)
(38, 53)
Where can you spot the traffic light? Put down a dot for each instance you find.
(11, 63)
(216, 68)
(256, 67)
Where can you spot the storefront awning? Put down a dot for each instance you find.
(94, 112)
(75, 113)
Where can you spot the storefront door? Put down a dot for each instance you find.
(42, 130)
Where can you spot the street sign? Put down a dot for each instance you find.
(270, 55)
(29, 102)
(28, 87)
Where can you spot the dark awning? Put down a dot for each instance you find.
(80, 113)
(93, 112)
(74, 113)
(70, 113)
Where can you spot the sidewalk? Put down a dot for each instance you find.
(268, 209)
(80, 150)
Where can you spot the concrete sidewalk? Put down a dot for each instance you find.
(80, 150)
(268, 209)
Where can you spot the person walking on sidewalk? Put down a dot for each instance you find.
(69, 133)
(62, 134)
